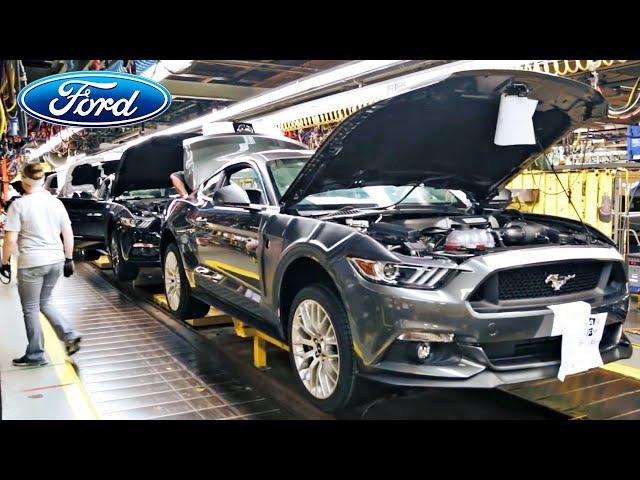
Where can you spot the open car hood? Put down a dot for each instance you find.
(443, 134)
(149, 164)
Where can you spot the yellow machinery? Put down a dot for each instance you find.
(600, 195)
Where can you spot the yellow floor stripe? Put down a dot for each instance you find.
(623, 369)
(81, 404)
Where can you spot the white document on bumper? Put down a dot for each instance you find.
(581, 334)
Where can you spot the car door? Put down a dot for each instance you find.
(87, 217)
(227, 241)
(87, 209)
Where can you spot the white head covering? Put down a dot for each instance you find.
(33, 183)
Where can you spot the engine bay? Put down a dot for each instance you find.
(465, 235)
(147, 207)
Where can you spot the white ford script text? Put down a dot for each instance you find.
(85, 106)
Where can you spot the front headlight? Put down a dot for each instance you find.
(137, 222)
(410, 276)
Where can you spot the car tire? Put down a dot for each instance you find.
(122, 270)
(326, 395)
(180, 302)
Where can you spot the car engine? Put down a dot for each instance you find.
(464, 235)
(145, 207)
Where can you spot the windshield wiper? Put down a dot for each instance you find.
(356, 212)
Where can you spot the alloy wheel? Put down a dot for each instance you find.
(115, 256)
(315, 349)
(172, 281)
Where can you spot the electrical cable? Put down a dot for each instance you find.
(550, 194)
(12, 84)
(584, 225)
(633, 91)
(3, 121)
(618, 114)
(632, 114)
(402, 199)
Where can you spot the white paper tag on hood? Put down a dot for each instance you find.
(581, 334)
(515, 121)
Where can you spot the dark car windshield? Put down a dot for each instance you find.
(284, 171)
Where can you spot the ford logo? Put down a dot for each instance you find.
(94, 99)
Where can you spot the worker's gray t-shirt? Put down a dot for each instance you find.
(38, 218)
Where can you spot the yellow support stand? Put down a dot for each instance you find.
(217, 317)
(260, 340)
(213, 317)
(241, 330)
(259, 352)
(103, 263)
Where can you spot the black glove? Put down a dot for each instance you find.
(68, 267)
(5, 273)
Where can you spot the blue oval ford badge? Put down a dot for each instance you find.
(94, 99)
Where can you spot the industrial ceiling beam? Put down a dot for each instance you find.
(212, 91)
(258, 65)
(280, 78)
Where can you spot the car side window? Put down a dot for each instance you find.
(247, 179)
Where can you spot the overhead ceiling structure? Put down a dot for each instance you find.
(616, 82)
(206, 86)
(291, 83)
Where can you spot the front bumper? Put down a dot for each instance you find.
(484, 378)
(379, 314)
(141, 247)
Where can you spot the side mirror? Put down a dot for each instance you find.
(232, 194)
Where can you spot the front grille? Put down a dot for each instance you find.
(531, 282)
(523, 287)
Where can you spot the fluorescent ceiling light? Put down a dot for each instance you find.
(351, 70)
(379, 91)
(163, 69)
(374, 92)
(320, 80)
(157, 72)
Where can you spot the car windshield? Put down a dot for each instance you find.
(284, 171)
(386, 195)
(148, 193)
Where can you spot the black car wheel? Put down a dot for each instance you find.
(122, 270)
(321, 348)
(176, 287)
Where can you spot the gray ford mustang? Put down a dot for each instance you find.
(381, 255)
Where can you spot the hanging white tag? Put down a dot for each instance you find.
(581, 334)
(515, 121)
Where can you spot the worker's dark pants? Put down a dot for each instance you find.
(35, 286)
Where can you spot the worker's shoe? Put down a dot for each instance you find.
(72, 345)
(25, 362)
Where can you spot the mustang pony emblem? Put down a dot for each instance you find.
(558, 281)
